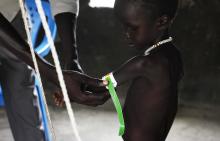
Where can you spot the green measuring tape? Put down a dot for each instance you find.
(117, 105)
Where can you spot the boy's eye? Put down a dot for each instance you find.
(131, 28)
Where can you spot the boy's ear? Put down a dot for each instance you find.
(163, 22)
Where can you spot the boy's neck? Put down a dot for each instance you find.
(162, 36)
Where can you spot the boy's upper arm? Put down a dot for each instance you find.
(142, 66)
(130, 69)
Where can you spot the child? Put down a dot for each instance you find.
(151, 102)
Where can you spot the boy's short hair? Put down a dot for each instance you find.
(164, 7)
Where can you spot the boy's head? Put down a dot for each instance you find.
(145, 21)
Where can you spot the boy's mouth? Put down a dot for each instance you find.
(131, 44)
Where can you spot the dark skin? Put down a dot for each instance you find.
(66, 29)
(12, 41)
(66, 26)
(151, 103)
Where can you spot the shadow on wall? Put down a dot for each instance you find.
(196, 32)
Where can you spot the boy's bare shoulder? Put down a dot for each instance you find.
(151, 63)
(154, 67)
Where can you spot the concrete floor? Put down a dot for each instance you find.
(100, 124)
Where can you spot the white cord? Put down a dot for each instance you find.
(58, 69)
(26, 24)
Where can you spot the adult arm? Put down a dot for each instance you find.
(12, 41)
(66, 25)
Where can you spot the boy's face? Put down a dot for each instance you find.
(140, 28)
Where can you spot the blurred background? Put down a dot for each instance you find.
(102, 48)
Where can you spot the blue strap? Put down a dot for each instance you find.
(1, 98)
(41, 48)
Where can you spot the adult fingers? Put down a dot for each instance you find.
(94, 82)
(91, 99)
(85, 79)
(95, 89)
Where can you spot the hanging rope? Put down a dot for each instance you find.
(27, 29)
(58, 69)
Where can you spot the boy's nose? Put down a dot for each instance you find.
(127, 35)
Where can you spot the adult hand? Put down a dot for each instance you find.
(74, 82)
(12, 41)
